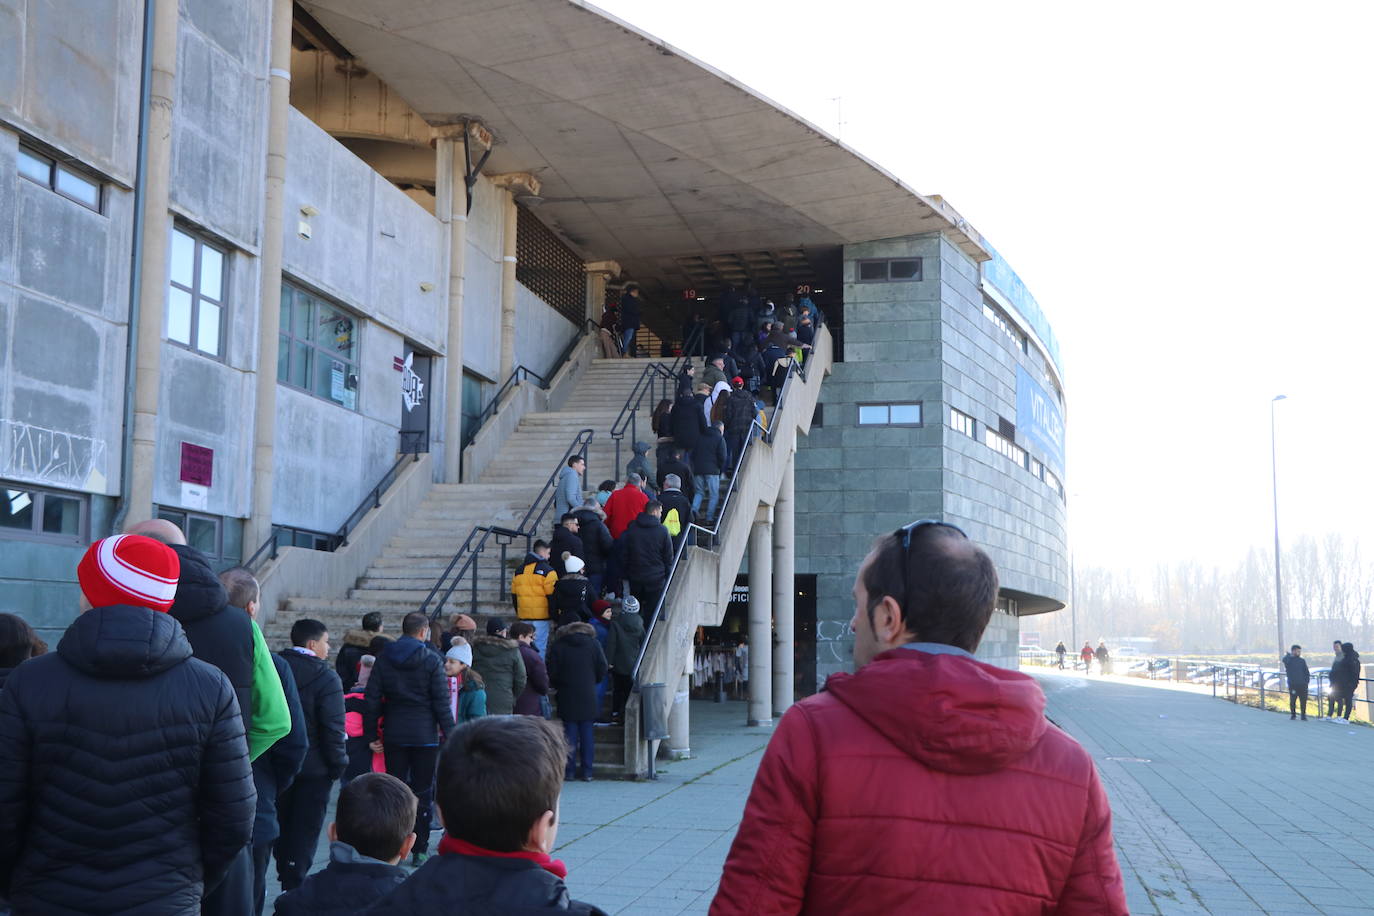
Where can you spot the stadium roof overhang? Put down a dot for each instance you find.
(646, 156)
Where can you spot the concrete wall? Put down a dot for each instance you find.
(925, 341)
(541, 334)
(482, 286)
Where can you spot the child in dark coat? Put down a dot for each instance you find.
(498, 784)
(371, 833)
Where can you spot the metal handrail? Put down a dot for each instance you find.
(522, 372)
(339, 537)
(580, 445)
(794, 370)
(627, 420)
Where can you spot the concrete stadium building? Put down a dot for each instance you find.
(254, 254)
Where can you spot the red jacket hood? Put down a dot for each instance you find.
(949, 712)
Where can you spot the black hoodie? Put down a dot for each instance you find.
(219, 634)
(409, 678)
(648, 550)
(126, 785)
(322, 703)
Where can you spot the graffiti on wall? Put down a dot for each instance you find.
(51, 456)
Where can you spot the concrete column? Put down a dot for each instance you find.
(761, 620)
(508, 287)
(269, 299)
(450, 206)
(784, 592)
(679, 722)
(152, 290)
(598, 274)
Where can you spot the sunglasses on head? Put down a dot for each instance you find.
(904, 534)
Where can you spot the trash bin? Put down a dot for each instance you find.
(653, 705)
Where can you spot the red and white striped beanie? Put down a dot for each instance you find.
(130, 569)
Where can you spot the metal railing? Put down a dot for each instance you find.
(756, 432)
(475, 545)
(522, 372)
(330, 541)
(656, 379)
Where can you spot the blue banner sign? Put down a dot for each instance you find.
(1038, 416)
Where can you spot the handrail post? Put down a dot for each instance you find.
(476, 570)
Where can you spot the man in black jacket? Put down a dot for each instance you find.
(648, 558)
(565, 539)
(356, 644)
(276, 769)
(672, 498)
(687, 421)
(1295, 666)
(597, 545)
(409, 679)
(124, 778)
(739, 418)
(300, 809)
(709, 461)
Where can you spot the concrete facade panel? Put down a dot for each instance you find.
(47, 337)
(541, 334)
(62, 248)
(210, 404)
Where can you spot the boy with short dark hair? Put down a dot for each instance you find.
(498, 785)
(372, 832)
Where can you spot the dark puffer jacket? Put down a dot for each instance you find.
(219, 634)
(623, 641)
(563, 540)
(536, 682)
(347, 885)
(597, 542)
(321, 696)
(576, 665)
(499, 663)
(572, 600)
(481, 886)
(409, 677)
(648, 550)
(124, 777)
(276, 768)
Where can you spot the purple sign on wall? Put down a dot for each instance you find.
(197, 464)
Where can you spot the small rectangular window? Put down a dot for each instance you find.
(61, 178)
(320, 343)
(872, 414)
(203, 532)
(961, 422)
(195, 295)
(872, 270)
(903, 270)
(39, 514)
(35, 167)
(907, 414)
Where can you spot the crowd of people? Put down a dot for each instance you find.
(1343, 679)
(160, 758)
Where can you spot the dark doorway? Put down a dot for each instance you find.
(415, 369)
(716, 645)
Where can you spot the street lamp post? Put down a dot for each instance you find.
(1278, 573)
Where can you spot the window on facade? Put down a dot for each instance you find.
(908, 414)
(1054, 482)
(31, 512)
(1005, 446)
(203, 532)
(59, 177)
(890, 270)
(961, 422)
(195, 295)
(1006, 325)
(317, 349)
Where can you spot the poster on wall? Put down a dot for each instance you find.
(1038, 416)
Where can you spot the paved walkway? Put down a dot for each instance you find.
(1226, 809)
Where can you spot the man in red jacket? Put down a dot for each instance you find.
(927, 781)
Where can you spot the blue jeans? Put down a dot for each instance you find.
(579, 735)
(710, 483)
(541, 634)
(627, 339)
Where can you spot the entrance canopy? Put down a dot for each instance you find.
(647, 156)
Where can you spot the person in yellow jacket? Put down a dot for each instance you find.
(531, 591)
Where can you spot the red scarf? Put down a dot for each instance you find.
(453, 845)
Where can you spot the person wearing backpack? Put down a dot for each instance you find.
(677, 509)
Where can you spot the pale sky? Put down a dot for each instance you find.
(1184, 186)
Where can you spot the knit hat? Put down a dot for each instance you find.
(495, 625)
(630, 605)
(129, 569)
(465, 623)
(460, 653)
(573, 565)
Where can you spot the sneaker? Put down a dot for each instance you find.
(1291, 718)
(586, 779)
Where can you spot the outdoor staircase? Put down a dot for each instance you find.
(401, 577)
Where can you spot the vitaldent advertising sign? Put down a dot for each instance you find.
(1039, 418)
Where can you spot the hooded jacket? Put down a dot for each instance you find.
(648, 550)
(576, 665)
(572, 599)
(277, 768)
(1295, 666)
(688, 422)
(563, 540)
(622, 644)
(349, 883)
(409, 678)
(596, 541)
(227, 638)
(322, 702)
(502, 668)
(532, 587)
(684, 472)
(639, 464)
(356, 644)
(930, 778)
(480, 886)
(710, 457)
(536, 682)
(125, 785)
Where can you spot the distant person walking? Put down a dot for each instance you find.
(1104, 658)
(1345, 677)
(1087, 655)
(1060, 650)
(1295, 666)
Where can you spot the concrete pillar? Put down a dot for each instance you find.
(152, 290)
(269, 298)
(761, 620)
(450, 206)
(598, 273)
(508, 236)
(784, 592)
(679, 722)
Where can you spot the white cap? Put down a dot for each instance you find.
(460, 653)
(573, 565)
